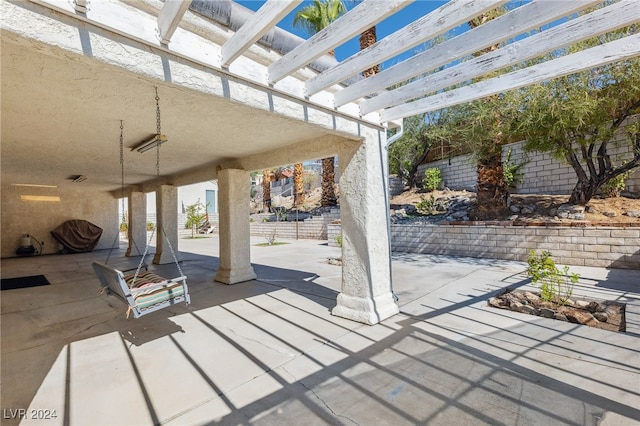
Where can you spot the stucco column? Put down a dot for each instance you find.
(366, 295)
(137, 229)
(167, 217)
(235, 237)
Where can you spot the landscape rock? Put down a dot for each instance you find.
(581, 317)
(633, 213)
(547, 313)
(608, 315)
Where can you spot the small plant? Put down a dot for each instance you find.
(271, 238)
(426, 205)
(196, 216)
(614, 187)
(432, 179)
(556, 285)
(150, 226)
(512, 172)
(124, 227)
(339, 240)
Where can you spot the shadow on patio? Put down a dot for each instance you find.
(269, 352)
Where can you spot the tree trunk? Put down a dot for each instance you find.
(368, 38)
(328, 183)
(266, 190)
(491, 193)
(298, 185)
(583, 192)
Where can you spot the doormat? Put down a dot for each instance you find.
(24, 282)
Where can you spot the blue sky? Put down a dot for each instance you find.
(388, 26)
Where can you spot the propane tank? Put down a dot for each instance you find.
(26, 248)
(25, 241)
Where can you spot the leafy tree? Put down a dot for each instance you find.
(314, 18)
(422, 133)
(579, 118)
(196, 215)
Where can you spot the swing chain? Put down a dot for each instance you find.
(173, 253)
(159, 132)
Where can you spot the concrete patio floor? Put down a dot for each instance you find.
(269, 352)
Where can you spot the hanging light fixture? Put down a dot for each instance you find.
(155, 140)
(152, 142)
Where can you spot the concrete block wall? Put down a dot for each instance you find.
(314, 228)
(457, 173)
(542, 174)
(334, 231)
(582, 246)
(396, 186)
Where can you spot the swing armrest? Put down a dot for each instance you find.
(144, 265)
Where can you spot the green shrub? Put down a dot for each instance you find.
(512, 172)
(613, 187)
(339, 240)
(426, 205)
(555, 285)
(124, 227)
(432, 179)
(150, 226)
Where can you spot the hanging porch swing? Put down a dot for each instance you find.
(144, 292)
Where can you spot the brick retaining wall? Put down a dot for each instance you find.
(584, 246)
(542, 174)
(314, 228)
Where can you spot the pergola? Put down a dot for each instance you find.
(73, 70)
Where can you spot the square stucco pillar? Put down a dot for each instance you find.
(167, 217)
(235, 237)
(366, 295)
(137, 229)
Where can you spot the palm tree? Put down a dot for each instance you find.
(298, 185)
(492, 193)
(314, 18)
(266, 189)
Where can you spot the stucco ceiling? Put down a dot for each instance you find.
(61, 117)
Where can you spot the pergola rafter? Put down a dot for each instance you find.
(258, 25)
(377, 94)
(361, 17)
(614, 51)
(170, 16)
(516, 22)
(599, 22)
(445, 18)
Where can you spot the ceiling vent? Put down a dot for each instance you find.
(77, 178)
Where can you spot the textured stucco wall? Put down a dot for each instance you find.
(39, 218)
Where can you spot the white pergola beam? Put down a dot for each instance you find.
(255, 27)
(607, 53)
(80, 6)
(441, 20)
(598, 22)
(170, 16)
(517, 21)
(363, 16)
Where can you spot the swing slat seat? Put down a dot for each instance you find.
(149, 292)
